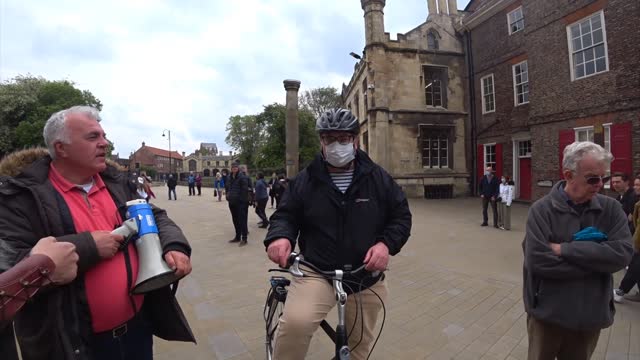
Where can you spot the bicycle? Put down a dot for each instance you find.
(278, 294)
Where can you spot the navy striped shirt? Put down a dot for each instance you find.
(342, 179)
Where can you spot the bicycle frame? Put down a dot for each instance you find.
(341, 337)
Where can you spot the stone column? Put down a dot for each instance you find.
(381, 136)
(442, 6)
(453, 7)
(431, 7)
(292, 128)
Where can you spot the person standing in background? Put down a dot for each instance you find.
(199, 183)
(262, 197)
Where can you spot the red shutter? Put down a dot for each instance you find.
(567, 137)
(480, 164)
(498, 160)
(621, 148)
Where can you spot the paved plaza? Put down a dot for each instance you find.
(455, 289)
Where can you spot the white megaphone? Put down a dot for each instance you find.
(153, 272)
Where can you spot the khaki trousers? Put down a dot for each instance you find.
(309, 301)
(548, 342)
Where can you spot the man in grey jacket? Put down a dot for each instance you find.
(567, 278)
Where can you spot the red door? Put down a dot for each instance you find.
(525, 178)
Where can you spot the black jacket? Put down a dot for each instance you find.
(238, 188)
(56, 323)
(172, 183)
(336, 229)
(628, 201)
(490, 188)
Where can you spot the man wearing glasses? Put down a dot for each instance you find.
(345, 211)
(575, 239)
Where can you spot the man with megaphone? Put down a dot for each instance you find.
(71, 193)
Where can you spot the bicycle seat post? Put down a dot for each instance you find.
(342, 347)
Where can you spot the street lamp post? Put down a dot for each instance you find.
(163, 134)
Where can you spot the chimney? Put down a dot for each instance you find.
(143, 144)
(183, 154)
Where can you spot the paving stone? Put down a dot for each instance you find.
(450, 296)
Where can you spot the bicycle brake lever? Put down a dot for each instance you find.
(295, 268)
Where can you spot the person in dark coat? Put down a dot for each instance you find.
(344, 211)
(626, 195)
(80, 198)
(262, 197)
(489, 192)
(171, 184)
(278, 188)
(199, 184)
(237, 187)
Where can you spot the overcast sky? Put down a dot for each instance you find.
(188, 65)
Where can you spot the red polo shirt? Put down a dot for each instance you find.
(106, 282)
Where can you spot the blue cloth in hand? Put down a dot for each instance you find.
(590, 234)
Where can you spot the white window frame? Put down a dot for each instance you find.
(509, 20)
(515, 85)
(584, 128)
(484, 156)
(493, 94)
(606, 129)
(604, 41)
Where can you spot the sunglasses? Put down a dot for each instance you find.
(595, 180)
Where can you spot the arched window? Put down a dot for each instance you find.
(432, 40)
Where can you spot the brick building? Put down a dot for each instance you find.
(409, 95)
(546, 73)
(158, 159)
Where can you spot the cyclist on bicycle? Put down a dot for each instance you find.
(346, 211)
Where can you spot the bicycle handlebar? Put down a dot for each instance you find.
(296, 258)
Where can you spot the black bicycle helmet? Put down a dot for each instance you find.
(338, 120)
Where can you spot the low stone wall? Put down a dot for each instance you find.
(414, 187)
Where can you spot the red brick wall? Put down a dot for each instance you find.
(556, 102)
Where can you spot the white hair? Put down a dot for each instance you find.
(577, 151)
(55, 130)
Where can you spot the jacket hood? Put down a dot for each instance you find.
(559, 201)
(15, 163)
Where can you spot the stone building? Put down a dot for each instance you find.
(158, 159)
(409, 95)
(208, 160)
(546, 73)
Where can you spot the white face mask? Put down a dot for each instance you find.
(339, 155)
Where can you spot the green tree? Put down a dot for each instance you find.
(272, 152)
(26, 102)
(319, 100)
(244, 134)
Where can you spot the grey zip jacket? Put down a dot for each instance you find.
(574, 290)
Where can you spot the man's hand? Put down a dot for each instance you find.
(556, 248)
(630, 217)
(107, 243)
(377, 257)
(493, 198)
(64, 256)
(178, 262)
(482, 196)
(279, 250)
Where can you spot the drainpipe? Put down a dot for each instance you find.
(472, 113)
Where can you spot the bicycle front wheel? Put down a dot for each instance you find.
(272, 312)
